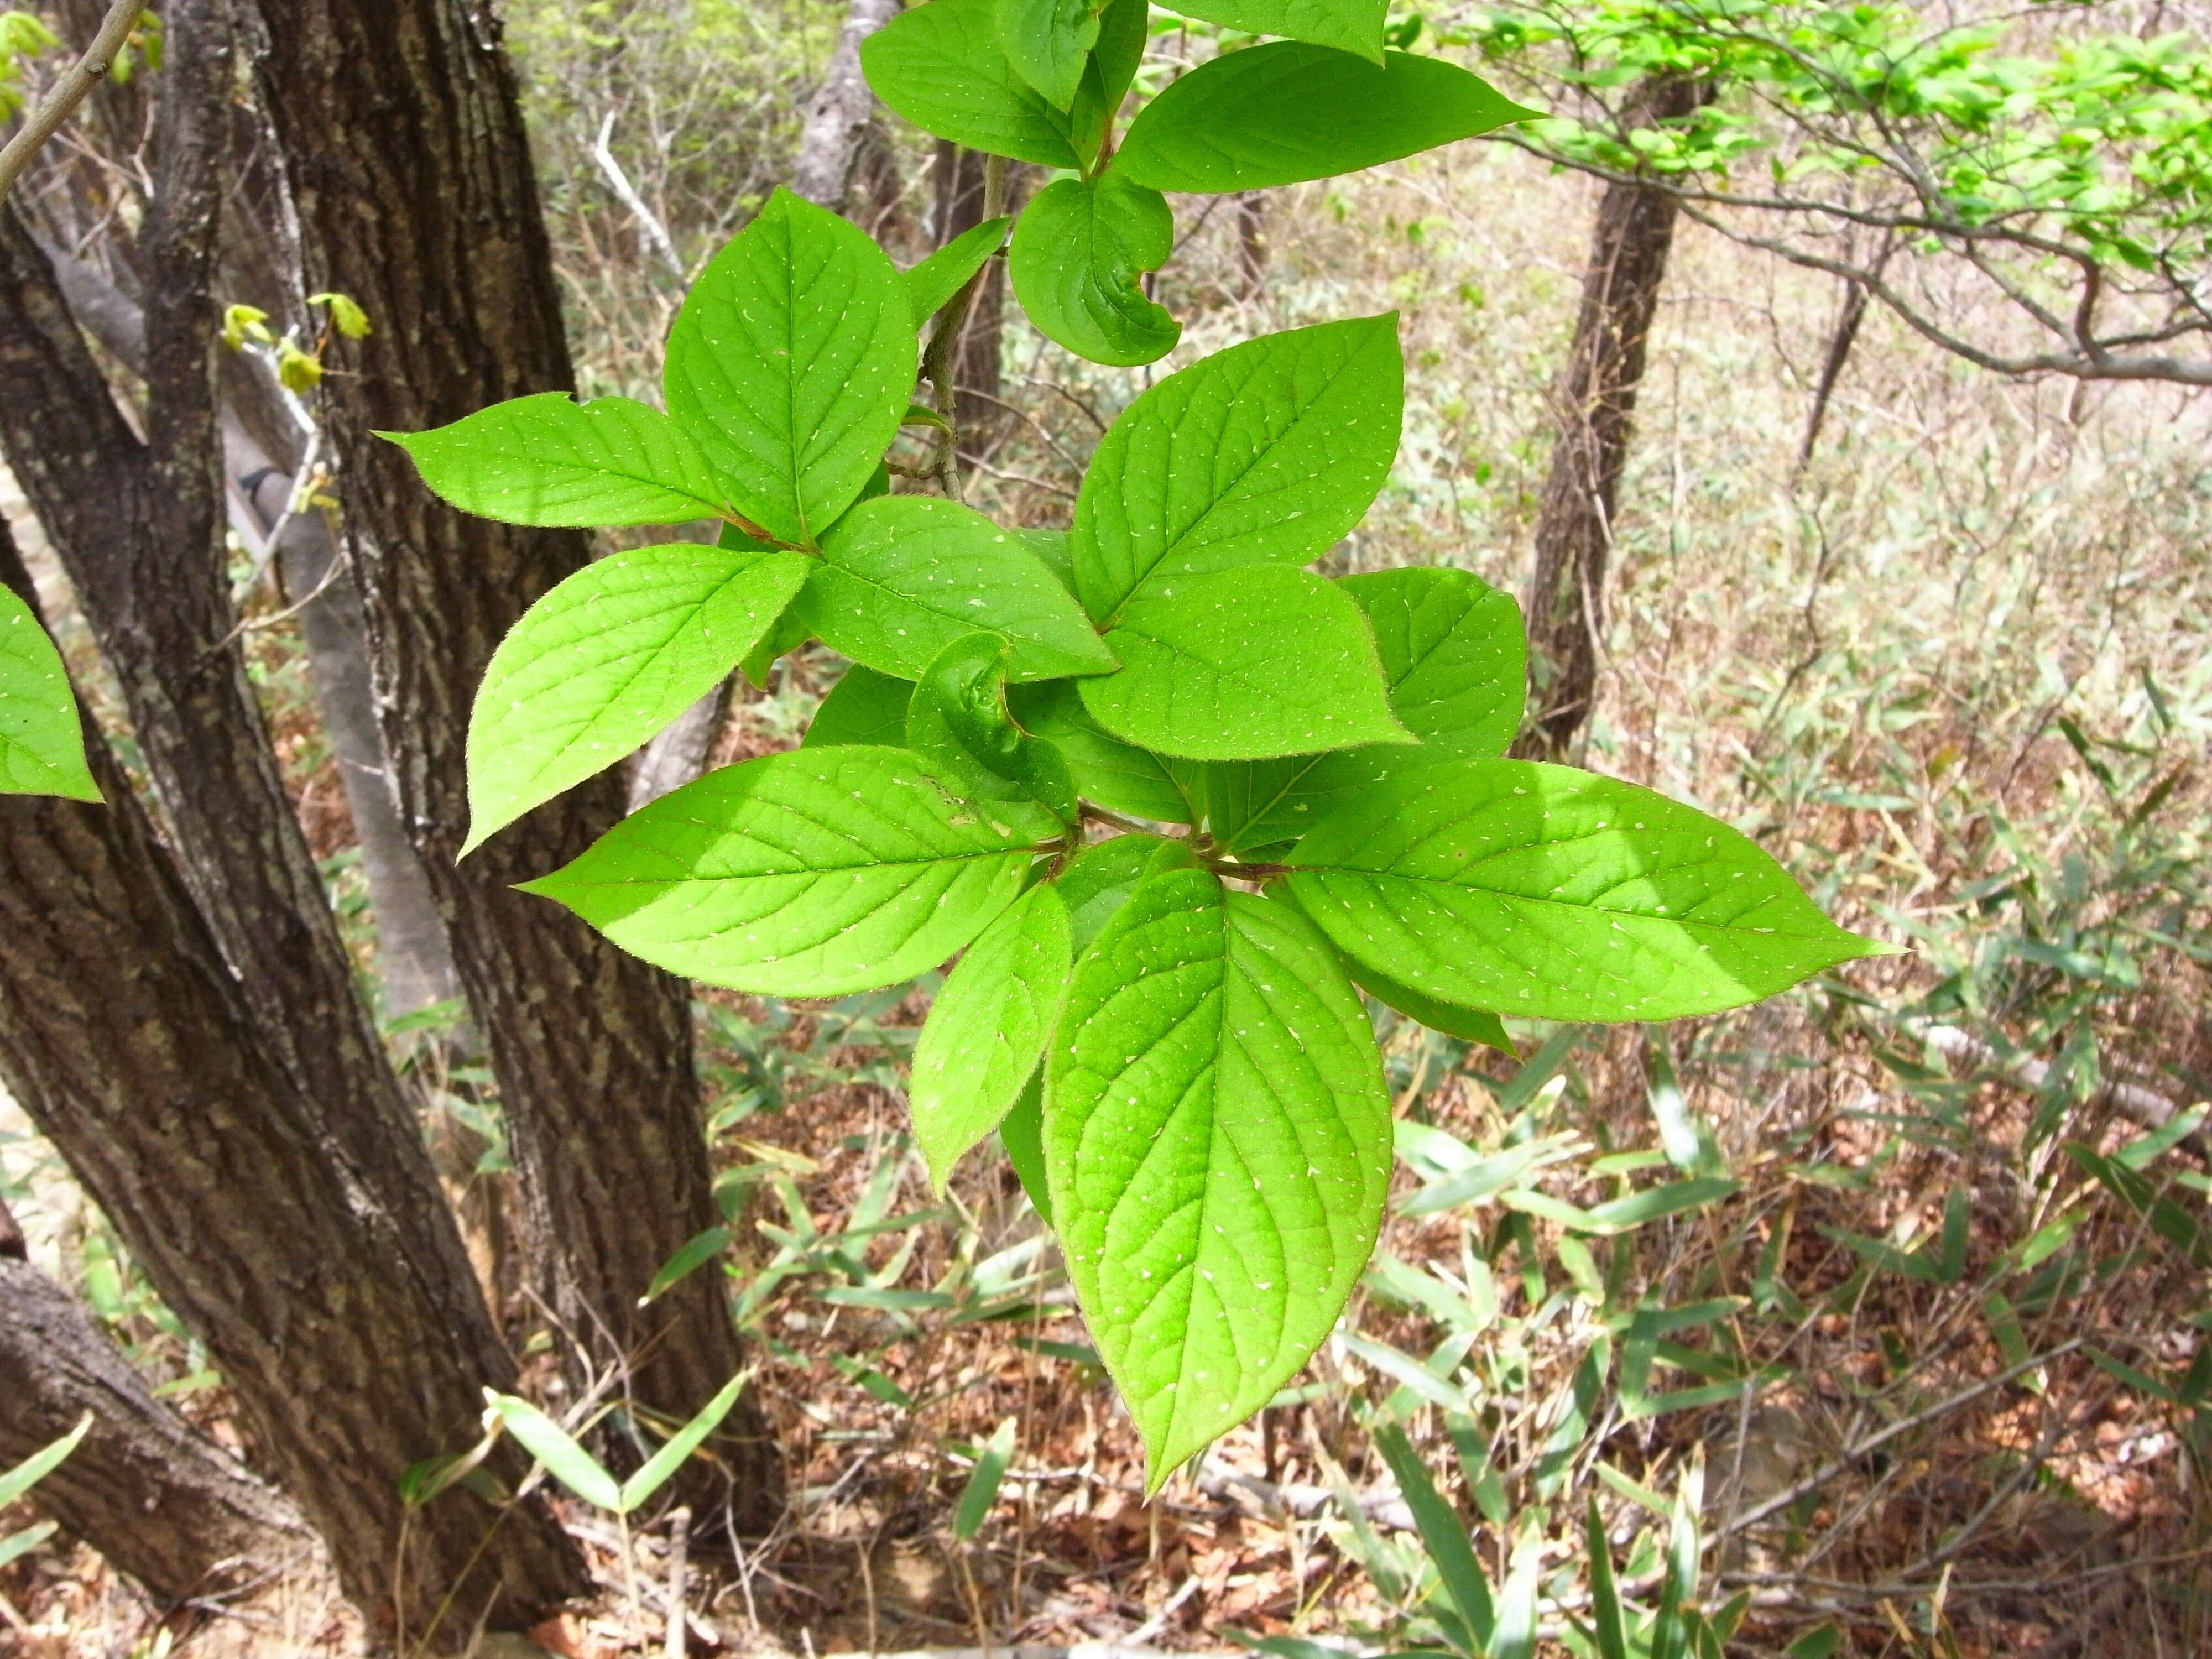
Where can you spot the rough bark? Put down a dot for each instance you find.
(262, 449)
(1596, 400)
(411, 178)
(834, 133)
(354, 1349)
(160, 1501)
(979, 368)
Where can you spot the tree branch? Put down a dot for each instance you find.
(76, 84)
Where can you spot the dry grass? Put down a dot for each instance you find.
(1867, 665)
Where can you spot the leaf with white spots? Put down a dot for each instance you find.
(606, 659)
(547, 460)
(814, 873)
(987, 1030)
(903, 576)
(942, 67)
(1266, 453)
(1550, 893)
(41, 737)
(792, 365)
(1456, 657)
(1218, 1137)
(1244, 665)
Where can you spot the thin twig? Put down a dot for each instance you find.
(649, 221)
(75, 85)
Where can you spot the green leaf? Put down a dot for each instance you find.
(564, 1460)
(1103, 878)
(1516, 1635)
(1021, 1132)
(1347, 25)
(1605, 1593)
(1467, 1024)
(814, 873)
(791, 364)
(1553, 893)
(1048, 42)
(1218, 1137)
(608, 658)
(957, 723)
(942, 67)
(987, 1030)
(17, 1545)
(1267, 453)
(1117, 775)
(1286, 113)
(863, 707)
(1243, 664)
(692, 1254)
(931, 285)
(41, 1463)
(1124, 29)
(1657, 1203)
(1076, 259)
(1446, 1539)
(903, 577)
(1455, 656)
(982, 1488)
(41, 737)
(548, 460)
(663, 1464)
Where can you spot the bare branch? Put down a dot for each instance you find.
(75, 85)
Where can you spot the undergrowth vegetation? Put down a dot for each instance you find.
(1912, 1360)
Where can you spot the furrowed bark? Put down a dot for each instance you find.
(261, 456)
(353, 1350)
(411, 174)
(1596, 398)
(161, 1502)
(978, 368)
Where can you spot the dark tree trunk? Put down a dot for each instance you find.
(263, 453)
(412, 180)
(979, 368)
(354, 1349)
(161, 1502)
(1596, 398)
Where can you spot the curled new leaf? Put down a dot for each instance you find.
(1076, 260)
(808, 874)
(957, 721)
